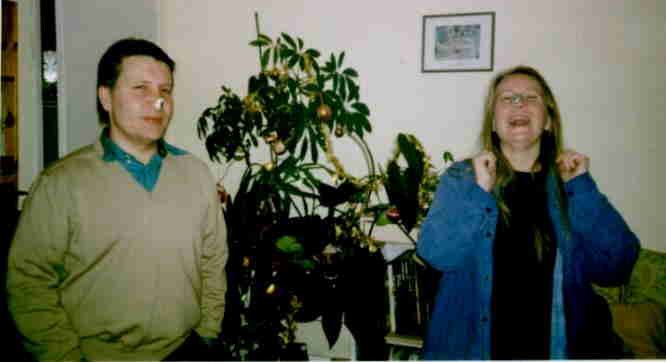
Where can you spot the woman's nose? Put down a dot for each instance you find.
(518, 100)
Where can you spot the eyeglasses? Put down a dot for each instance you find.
(516, 98)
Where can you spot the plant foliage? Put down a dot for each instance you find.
(298, 249)
(300, 246)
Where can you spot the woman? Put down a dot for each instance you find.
(520, 233)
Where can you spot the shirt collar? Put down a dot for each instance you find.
(113, 152)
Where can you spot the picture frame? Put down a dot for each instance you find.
(458, 42)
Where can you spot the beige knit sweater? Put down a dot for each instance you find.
(102, 268)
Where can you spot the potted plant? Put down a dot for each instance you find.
(410, 181)
(298, 249)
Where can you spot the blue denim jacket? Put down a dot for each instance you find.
(596, 246)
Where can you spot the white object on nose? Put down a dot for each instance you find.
(159, 104)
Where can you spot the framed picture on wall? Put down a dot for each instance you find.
(458, 42)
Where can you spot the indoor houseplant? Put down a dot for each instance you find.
(298, 249)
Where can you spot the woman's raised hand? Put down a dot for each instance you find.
(571, 164)
(485, 167)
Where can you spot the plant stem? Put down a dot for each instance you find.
(256, 24)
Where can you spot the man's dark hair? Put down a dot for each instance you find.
(110, 65)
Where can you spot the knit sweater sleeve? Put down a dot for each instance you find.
(36, 271)
(461, 220)
(214, 258)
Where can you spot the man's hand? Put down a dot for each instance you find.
(485, 165)
(571, 164)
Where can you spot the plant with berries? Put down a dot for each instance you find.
(298, 247)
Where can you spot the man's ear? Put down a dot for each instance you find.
(104, 95)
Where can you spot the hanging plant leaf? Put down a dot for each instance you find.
(332, 314)
(331, 323)
(365, 314)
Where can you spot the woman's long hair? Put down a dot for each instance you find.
(550, 146)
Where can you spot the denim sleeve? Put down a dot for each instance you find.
(461, 221)
(609, 247)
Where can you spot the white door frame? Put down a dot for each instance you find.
(30, 124)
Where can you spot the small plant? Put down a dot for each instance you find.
(410, 181)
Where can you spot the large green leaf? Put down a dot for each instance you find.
(365, 313)
(412, 155)
(289, 245)
(331, 319)
(402, 188)
(332, 196)
(400, 193)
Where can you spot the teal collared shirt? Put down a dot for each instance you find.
(145, 174)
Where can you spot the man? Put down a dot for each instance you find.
(121, 246)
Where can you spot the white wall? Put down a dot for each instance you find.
(603, 59)
(85, 30)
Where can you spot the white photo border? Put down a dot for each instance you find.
(474, 50)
